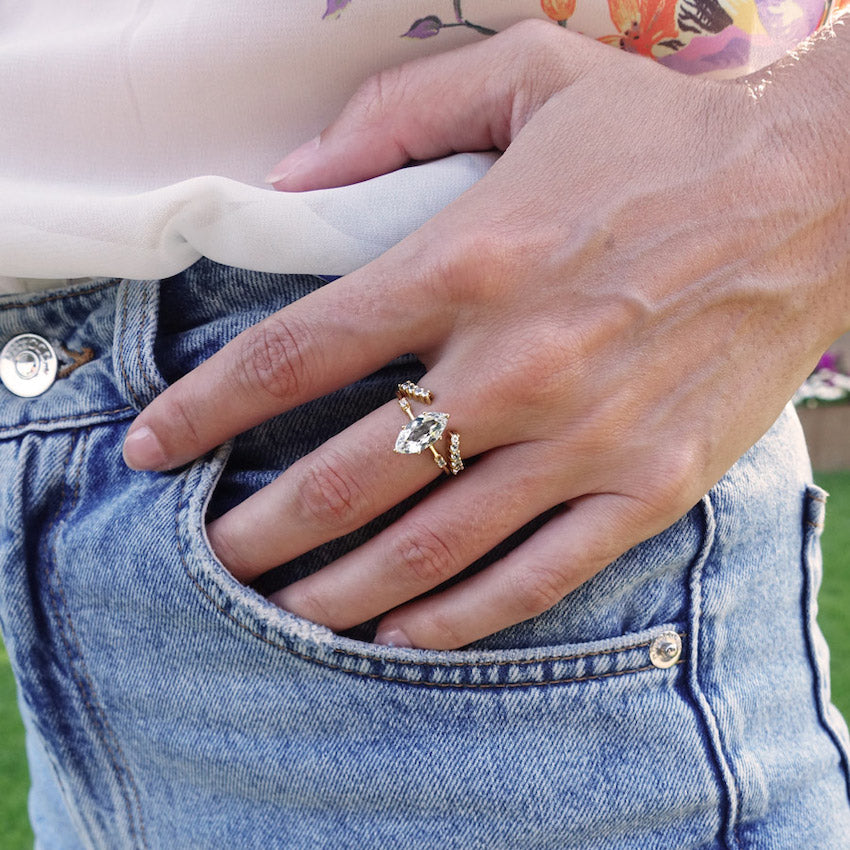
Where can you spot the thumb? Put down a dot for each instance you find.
(470, 99)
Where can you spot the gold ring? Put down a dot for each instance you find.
(426, 429)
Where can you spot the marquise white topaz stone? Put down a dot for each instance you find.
(421, 432)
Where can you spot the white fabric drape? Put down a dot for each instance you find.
(135, 135)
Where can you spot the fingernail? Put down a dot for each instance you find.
(392, 637)
(294, 162)
(142, 450)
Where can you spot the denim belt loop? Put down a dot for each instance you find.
(136, 321)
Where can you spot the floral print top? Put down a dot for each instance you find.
(721, 38)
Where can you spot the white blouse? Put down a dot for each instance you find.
(135, 135)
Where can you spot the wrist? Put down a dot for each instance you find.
(801, 104)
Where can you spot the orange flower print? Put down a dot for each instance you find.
(648, 27)
(558, 10)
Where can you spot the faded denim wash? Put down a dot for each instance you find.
(168, 706)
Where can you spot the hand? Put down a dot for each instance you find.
(612, 316)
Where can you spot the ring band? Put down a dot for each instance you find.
(426, 429)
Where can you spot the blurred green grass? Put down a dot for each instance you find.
(14, 775)
(834, 619)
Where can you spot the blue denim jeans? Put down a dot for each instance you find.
(169, 706)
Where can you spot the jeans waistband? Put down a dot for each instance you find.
(108, 334)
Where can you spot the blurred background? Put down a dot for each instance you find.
(823, 403)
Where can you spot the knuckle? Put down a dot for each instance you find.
(540, 367)
(487, 248)
(426, 557)
(660, 491)
(477, 264)
(538, 376)
(377, 95)
(329, 495)
(532, 29)
(675, 475)
(273, 358)
(537, 589)
(537, 54)
(306, 601)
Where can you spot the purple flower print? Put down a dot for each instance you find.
(334, 8)
(424, 27)
(431, 25)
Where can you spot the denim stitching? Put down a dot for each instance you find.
(143, 367)
(729, 793)
(807, 600)
(398, 679)
(22, 305)
(508, 662)
(82, 678)
(7, 428)
(183, 504)
(78, 358)
(417, 682)
(127, 382)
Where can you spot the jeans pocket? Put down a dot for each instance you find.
(558, 648)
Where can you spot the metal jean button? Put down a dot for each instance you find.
(665, 650)
(28, 365)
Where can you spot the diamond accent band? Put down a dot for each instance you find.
(455, 460)
(415, 392)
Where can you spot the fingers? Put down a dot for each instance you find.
(446, 532)
(324, 341)
(351, 479)
(471, 99)
(570, 549)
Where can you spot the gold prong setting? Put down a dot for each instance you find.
(423, 431)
